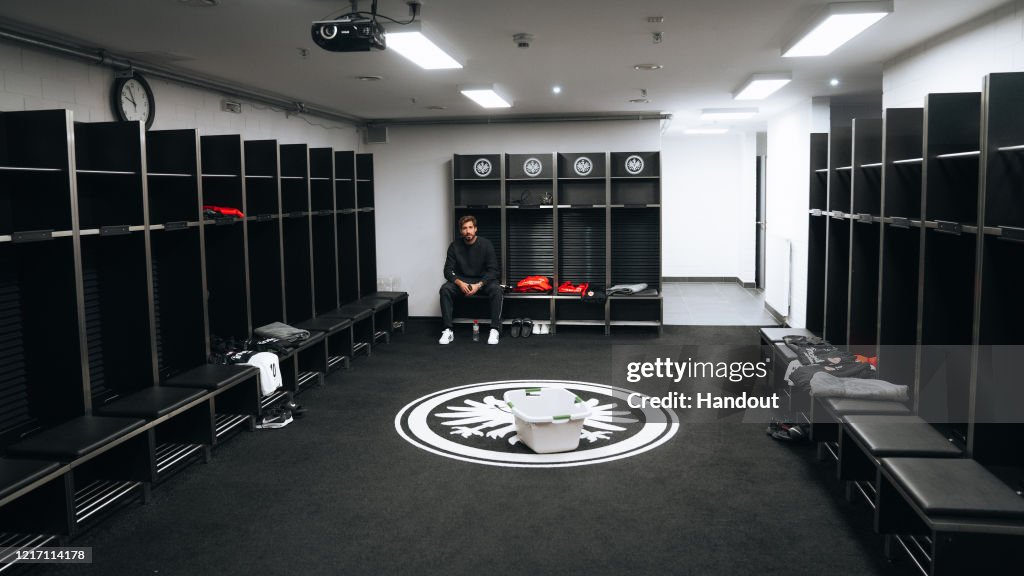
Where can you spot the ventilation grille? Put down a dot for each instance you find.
(581, 241)
(636, 247)
(530, 244)
(14, 409)
(94, 329)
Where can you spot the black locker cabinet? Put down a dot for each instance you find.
(635, 236)
(840, 151)
(946, 296)
(865, 235)
(581, 200)
(529, 238)
(901, 244)
(817, 233)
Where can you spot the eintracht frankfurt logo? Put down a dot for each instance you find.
(474, 424)
(482, 167)
(583, 166)
(532, 167)
(634, 164)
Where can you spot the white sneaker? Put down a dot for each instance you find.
(447, 336)
(493, 338)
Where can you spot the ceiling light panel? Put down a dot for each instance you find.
(413, 45)
(837, 25)
(761, 86)
(486, 97)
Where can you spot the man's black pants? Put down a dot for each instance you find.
(491, 290)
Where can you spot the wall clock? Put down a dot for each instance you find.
(132, 99)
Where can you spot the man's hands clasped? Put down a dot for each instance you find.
(467, 288)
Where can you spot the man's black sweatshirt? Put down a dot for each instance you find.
(471, 262)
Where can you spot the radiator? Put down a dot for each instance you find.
(778, 254)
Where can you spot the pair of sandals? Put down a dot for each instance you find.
(522, 327)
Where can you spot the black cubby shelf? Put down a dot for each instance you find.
(865, 238)
(817, 233)
(264, 247)
(227, 266)
(296, 233)
(109, 173)
(324, 233)
(840, 193)
(901, 245)
(584, 217)
(112, 281)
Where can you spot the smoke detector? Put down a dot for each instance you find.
(522, 40)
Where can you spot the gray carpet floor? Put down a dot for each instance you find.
(339, 492)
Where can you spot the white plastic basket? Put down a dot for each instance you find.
(548, 419)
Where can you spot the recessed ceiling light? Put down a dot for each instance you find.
(556, 89)
(761, 86)
(835, 26)
(369, 78)
(711, 114)
(705, 131)
(410, 42)
(640, 101)
(648, 67)
(833, 82)
(485, 96)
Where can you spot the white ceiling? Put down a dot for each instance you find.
(588, 47)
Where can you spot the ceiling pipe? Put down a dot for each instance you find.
(40, 41)
(522, 119)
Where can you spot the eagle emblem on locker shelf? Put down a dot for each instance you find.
(532, 167)
(634, 164)
(482, 167)
(583, 166)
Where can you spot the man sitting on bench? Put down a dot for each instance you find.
(471, 267)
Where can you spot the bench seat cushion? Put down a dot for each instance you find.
(353, 312)
(378, 304)
(894, 435)
(74, 439)
(15, 474)
(325, 324)
(850, 406)
(393, 296)
(213, 376)
(151, 403)
(954, 487)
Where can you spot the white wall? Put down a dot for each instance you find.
(788, 187)
(413, 186)
(36, 80)
(708, 205)
(958, 60)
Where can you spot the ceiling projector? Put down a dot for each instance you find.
(348, 35)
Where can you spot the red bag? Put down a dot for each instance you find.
(568, 288)
(533, 284)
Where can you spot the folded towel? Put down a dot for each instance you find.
(282, 331)
(825, 385)
(626, 289)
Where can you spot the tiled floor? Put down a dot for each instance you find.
(714, 304)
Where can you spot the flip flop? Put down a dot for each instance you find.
(517, 327)
(527, 327)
